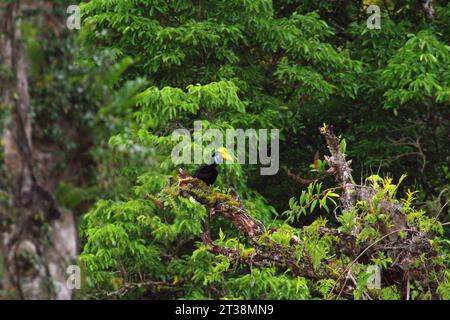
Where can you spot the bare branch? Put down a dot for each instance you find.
(339, 167)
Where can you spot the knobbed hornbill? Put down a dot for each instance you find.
(208, 172)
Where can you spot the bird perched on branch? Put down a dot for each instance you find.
(208, 172)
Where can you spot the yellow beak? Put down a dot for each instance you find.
(224, 154)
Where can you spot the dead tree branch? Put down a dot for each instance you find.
(339, 167)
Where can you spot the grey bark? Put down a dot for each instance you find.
(427, 6)
(39, 242)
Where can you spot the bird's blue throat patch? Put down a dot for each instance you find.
(217, 159)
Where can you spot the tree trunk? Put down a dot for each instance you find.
(39, 241)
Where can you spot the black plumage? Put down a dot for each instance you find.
(207, 173)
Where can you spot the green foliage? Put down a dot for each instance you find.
(309, 199)
(418, 73)
(257, 64)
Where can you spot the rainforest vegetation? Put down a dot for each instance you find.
(92, 205)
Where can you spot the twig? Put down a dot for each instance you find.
(407, 287)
